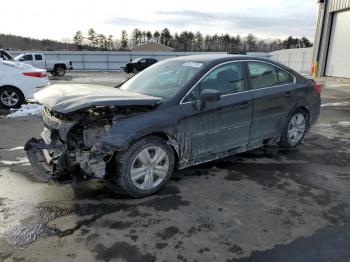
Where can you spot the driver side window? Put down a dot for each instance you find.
(227, 79)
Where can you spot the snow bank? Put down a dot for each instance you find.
(15, 148)
(19, 160)
(346, 103)
(26, 110)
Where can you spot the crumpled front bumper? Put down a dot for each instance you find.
(38, 156)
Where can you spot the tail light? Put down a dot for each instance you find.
(318, 88)
(35, 74)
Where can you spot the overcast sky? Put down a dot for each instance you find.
(61, 19)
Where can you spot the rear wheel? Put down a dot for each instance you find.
(144, 167)
(60, 70)
(295, 129)
(11, 97)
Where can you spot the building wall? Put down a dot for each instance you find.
(299, 59)
(323, 31)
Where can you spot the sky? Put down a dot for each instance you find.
(44, 19)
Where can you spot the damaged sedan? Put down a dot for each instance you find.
(177, 113)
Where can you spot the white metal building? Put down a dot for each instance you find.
(331, 55)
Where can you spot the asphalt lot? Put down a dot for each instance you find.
(258, 206)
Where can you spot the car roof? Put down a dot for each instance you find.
(208, 58)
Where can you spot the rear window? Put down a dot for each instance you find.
(38, 57)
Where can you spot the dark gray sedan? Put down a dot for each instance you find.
(177, 113)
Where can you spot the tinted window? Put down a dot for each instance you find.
(38, 57)
(262, 75)
(27, 58)
(143, 61)
(227, 79)
(284, 77)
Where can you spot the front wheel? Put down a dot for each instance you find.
(295, 129)
(144, 167)
(134, 70)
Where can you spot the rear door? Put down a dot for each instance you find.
(221, 125)
(271, 89)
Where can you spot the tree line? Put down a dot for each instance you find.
(186, 41)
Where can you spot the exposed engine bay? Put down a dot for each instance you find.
(72, 143)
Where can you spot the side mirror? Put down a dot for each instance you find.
(208, 95)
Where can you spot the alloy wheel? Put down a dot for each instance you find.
(296, 128)
(9, 98)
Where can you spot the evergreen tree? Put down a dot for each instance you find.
(78, 38)
(124, 40)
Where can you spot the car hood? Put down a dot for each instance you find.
(69, 98)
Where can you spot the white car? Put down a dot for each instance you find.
(18, 82)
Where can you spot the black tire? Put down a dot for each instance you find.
(285, 140)
(60, 70)
(134, 70)
(125, 159)
(10, 89)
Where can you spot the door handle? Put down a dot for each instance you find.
(288, 94)
(244, 105)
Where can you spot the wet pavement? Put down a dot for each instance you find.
(264, 205)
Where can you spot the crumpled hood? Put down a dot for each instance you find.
(65, 99)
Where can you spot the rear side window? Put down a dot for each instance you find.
(38, 57)
(27, 58)
(262, 75)
(284, 77)
(227, 79)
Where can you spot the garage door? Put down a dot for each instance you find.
(338, 60)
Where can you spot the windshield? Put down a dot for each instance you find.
(5, 56)
(163, 79)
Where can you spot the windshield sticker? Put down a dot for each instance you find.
(193, 64)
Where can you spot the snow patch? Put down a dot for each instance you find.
(344, 123)
(346, 103)
(26, 110)
(15, 148)
(19, 160)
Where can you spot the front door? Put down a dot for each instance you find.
(218, 126)
(273, 98)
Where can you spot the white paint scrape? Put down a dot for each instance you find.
(27, 110)
(346, 103)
